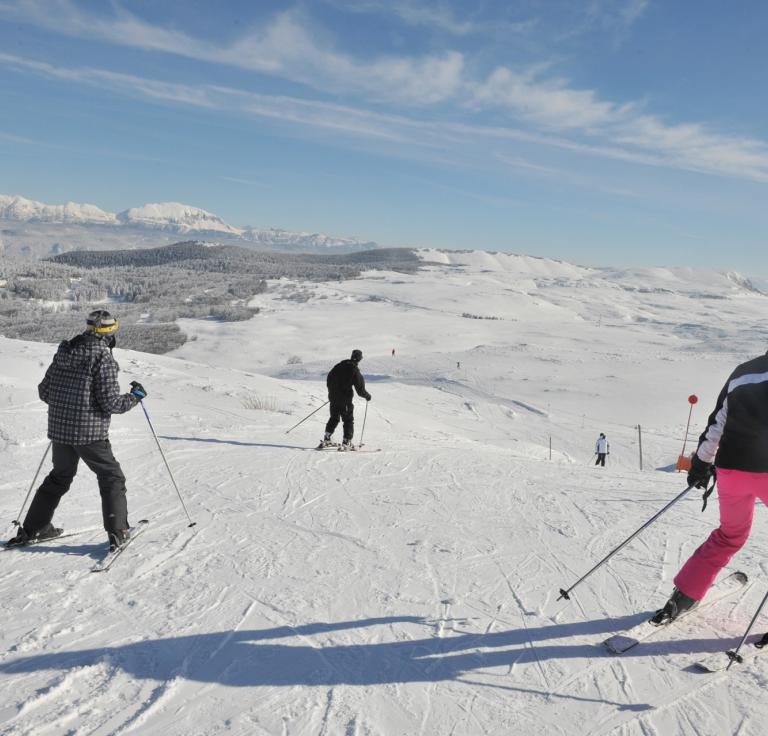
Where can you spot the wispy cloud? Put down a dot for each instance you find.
(243, 182)
(440, 17)
(285, 47)
(564, 175)
(617, 18)
(11, 138)
(547, 102)
(618, 132)
(615, 13)
(541, 108)
(614, 19)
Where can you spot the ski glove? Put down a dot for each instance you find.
(138, 390)
(702, 475)
(367, 396)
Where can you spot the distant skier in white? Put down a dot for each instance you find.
(602, 448)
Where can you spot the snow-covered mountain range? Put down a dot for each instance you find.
(28, 210)
(158, 218)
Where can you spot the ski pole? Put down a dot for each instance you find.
(307, 417)
(734, 655)
(565, 593)
(191, 523)
(362, 431)
(17, 520)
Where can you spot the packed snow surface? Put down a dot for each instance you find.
(411, 590)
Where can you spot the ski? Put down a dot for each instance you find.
(107, 561)
(63, 535)
(360, 448)
(332, 446)
(719, 661)
(625, 640)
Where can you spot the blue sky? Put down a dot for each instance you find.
(603, 132)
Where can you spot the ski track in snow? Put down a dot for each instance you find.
(409, 591)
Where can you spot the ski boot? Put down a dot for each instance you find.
(118, 538)
(22, 538)
(677, 604)
(346, 446)
(326, 442)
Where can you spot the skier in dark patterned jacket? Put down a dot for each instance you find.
(82, 392)
(342, 378)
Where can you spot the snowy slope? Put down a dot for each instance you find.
(407, 591)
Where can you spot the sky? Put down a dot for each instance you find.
(622, 132)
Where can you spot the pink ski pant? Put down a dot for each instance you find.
(737, 491)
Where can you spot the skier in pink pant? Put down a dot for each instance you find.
(735, 442)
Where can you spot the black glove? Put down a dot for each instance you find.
(110, 341)
(700, 475)
(367, 396)
(138, 390)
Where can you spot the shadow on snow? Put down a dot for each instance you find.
(253, 658)
(214, 441)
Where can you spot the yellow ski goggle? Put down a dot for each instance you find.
(106, 330)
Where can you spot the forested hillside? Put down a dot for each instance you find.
(149, 289)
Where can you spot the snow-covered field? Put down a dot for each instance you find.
(411, 590)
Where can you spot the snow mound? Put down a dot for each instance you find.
(506, 263)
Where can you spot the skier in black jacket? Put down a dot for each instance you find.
(342, 378)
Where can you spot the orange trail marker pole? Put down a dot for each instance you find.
(682, 462)
(692, 399)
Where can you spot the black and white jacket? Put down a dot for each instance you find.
(81, 390)
(736, 436)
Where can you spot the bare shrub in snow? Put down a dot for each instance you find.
(262, 403)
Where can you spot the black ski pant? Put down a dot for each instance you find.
(600, 459)
(99, 458)
(342, 411)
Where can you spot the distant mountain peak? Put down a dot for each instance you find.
(14, 207)
(181, 218)
(278, 236)
(173, 217)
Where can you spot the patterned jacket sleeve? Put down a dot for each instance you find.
(106, 389)
(44, 387)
